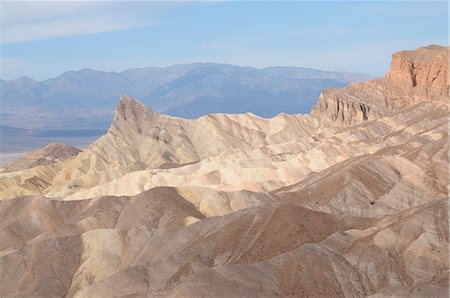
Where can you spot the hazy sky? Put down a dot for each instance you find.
(45, 39)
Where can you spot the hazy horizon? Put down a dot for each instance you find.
(184, 63)
(44, 39)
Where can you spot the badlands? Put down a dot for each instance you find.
(348, 201)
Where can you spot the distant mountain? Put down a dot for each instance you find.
(11, 131)
(85, 99)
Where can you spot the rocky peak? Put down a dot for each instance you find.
(415, 76)
(132, 114)
(142, 137)
(127, 103)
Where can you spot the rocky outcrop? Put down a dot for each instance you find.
(414, 76)
(426, 67)
(343, 107)
(46, 155)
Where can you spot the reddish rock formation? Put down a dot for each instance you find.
(414, 76)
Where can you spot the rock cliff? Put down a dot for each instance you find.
(414, 76)
(426, 67)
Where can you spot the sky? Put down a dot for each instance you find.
(44, 39)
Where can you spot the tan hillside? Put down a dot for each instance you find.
(46, 155)
(348, 201)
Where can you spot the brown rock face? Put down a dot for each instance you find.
(427, 66)
(351, 202)
(414, 76)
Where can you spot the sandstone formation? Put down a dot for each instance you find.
(414, 76)
(350, 201)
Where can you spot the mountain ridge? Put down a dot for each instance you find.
(196, 65)
(74, 98)
(240, 206)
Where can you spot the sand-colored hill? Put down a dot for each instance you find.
(46, 155)
(142, 140)
(350, 201)
(149, 246)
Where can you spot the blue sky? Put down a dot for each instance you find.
(45, 39)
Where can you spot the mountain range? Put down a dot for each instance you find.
(85, 99)
(350, 200)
